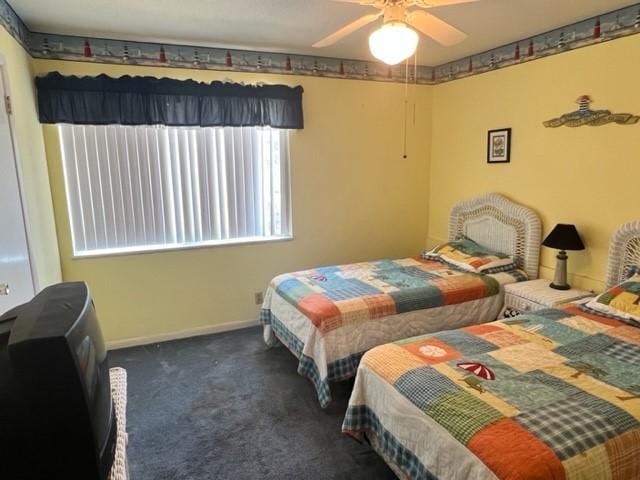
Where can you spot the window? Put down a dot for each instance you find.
(137, 188)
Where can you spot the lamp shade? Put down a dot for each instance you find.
(564, 237)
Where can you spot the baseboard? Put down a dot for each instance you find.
(189, 332)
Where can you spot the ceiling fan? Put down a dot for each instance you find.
(397, 40)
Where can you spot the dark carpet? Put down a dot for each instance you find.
(227, 407)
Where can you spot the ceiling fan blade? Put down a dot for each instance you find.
(347, 30)
(435, 3)
(435, 28)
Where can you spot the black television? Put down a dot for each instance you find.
(56, 414)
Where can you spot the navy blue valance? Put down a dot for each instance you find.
(164, 101)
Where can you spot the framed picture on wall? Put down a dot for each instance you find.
(499, 146)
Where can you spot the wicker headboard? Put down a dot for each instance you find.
(497, 223)
(624, 253)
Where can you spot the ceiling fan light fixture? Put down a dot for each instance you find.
(393, 42)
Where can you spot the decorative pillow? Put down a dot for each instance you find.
(622, 300)
(631, 270)
(468, 255)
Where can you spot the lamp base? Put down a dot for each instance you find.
(560, 277)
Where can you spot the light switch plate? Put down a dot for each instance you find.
(259, 298)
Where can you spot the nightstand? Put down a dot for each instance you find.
(533, 295)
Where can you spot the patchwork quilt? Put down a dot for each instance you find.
(554, 394)
(328, 317)
(332, 296)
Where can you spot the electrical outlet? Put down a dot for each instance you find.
(259, 298)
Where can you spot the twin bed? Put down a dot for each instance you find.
(554, 394)
(329, 317)
(551, 394)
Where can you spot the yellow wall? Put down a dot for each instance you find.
(588, 176)
(354, 198)
(32, 164)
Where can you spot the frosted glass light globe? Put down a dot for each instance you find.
(393, 42)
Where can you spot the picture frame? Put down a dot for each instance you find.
(499, 146)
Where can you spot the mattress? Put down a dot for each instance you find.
(552, 394)
(329, 317)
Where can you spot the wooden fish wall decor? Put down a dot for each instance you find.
(594, 118)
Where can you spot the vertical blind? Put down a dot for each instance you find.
(132, 188)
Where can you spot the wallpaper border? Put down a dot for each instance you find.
(605, 27)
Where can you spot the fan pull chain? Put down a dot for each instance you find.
(406, 102)
(406, 98)
(415, 84)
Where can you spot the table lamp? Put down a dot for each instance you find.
(563, 237)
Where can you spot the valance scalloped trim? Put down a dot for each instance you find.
(138, 100)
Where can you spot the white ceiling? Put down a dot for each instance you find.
(291, 26)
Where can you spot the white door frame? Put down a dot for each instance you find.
(4, 78)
